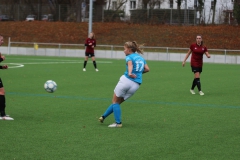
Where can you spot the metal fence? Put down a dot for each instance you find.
(64, 12)
(116, 52)
(19, 12)
(74, 13)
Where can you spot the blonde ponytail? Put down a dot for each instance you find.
(134, 47)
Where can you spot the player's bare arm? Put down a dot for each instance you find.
(130, 68)
(146, 68)
(186, 57)
(207, 54)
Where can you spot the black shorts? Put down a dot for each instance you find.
(89, 54)
(196, 69)
(1, 84)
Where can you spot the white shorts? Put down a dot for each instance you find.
(125, 88)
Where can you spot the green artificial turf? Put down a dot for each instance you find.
(161, 121)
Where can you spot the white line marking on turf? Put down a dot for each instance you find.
(54, 62)
(47, 59)
(57, 60)
(16, 65)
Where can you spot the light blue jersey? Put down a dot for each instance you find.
(138, 66)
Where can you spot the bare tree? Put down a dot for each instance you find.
(98, 10)
(119, 3)
(179, 3)
(145, 3)
(10, 7)
(236, 10)
(109, 4)
(31, 6)
(150, 3)
(200, 8)
(59, 8)
(154, 3)
(17, 9)
(116, 9)
(213, 7)
(79, 8)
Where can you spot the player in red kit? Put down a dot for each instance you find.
(198, 50)
(90, 44)
(3, 115)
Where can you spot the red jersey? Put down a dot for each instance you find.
(89, 48)
(197, 55)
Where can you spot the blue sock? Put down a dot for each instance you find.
(108, 111)
(117, 113)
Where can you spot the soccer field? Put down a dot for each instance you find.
(161, 121)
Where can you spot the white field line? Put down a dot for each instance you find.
(53, 62)
(57, 60)
(45, 59)
(17, 65)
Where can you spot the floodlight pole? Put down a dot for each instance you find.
(90, 16)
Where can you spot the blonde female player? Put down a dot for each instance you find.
(198, 50)
(128, 83)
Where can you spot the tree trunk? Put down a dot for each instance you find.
(200, 8)
(179, 2)
(214, 10)
(29, 3)
(144, 4)
(40, 10)
(79, 10)
(109, 4)
(117, 9)
(236, 10)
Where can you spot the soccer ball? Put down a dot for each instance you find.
(50, 86)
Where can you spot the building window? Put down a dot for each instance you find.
(114, 5)
(171, 3)
(132, 4)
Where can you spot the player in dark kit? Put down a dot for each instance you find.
(90, 44)
(3, 115)
(197, 49)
